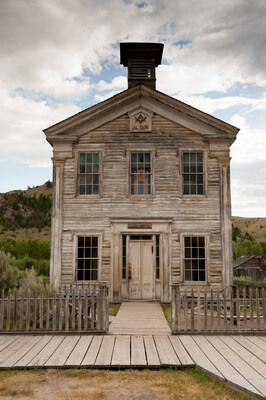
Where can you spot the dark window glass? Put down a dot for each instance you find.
(194, 258)
(89, 173)
(140, 173)
(193, 173)
(87, 263)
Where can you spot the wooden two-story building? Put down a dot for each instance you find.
(141, 190)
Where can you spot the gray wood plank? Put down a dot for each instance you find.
(166, 352)
(93, 351)
(79, 351)
(246, 355)
(106, 351)
(121, 354)
(33, 352)
(252, 347)
(61, 354)
(40, 359)
(151, 352)
(6, 341)
(240, 365)
(257, 341)
(198, 356)
(13, 348)
(26, 345)
(138, 356)
(226, 369)
(182, 354)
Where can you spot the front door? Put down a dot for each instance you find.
(141, 264)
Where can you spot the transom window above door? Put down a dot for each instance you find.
(88, 173)
(140, 173)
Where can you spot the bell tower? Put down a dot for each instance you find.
(141, 60)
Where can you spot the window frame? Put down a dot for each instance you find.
(205, 172)
(152, 180)
(182, 258)
(89, 151)
(75, 255)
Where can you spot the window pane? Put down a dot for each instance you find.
(200, 179)
(89, 189)
(187, 252)
(187, 241)
(200, 189)
(95, 158)
(194, 242)
(201, 252)
(192, 158)
(186, 158)
(89, 158)
(186, 189)
(147, 158)
(188, 275)
(194, 252)
(94, 275)
(202, 275)
(82, 189)
(201, 241)
(134, 158)
(96, 179)
(193, 189)
(200, 158)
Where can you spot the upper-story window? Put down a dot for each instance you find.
(140, 173)
(193, 173)
(88, 173)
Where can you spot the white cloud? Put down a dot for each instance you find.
(118, 83)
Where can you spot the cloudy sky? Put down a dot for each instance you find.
(58, 57)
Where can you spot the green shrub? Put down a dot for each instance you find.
(9, 273)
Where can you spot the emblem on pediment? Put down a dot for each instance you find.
(140, 121)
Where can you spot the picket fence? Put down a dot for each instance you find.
(234, 310)
(69, 309)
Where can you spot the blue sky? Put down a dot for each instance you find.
(59, 57)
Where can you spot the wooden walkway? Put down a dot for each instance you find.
(238, 360)
(140, 318)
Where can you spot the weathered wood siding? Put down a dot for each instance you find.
(189, 215)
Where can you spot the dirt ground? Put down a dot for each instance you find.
(85, 384)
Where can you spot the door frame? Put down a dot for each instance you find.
(149, 226)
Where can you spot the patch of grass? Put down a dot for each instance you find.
(166, 307)
(113, 309)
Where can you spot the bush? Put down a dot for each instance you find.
(9, 273)
(30, 280)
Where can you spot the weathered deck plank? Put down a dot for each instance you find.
(26, 345)
(246, 355)
(138, 356)
(93, 351)
(121, 354)
(105, 354)
(240, 365)
(6, 341)
(40, 359)
(252, 347)
(23, 362)
(182, 354)
(151, 352)
(225, 368)
(198, 356)
(79, 351)
(61, 354)
(166, 352)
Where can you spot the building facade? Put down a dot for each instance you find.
(141, 191)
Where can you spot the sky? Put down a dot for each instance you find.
(58, 57)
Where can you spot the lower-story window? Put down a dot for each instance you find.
(195, 258)
(87, 263)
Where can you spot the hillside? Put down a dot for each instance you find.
(26, 214)
(254, 226)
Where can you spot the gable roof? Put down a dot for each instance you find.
(141, 96)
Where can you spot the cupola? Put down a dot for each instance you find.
(141, 60)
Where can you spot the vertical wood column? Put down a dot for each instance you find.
(57, 215)
(226, 224)
(165, 268)
(116, 265)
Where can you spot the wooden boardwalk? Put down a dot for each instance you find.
(140, 318)
(238, 360)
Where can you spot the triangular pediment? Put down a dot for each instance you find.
(140, 103)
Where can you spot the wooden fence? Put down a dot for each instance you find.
(69, 309)
(235, 310)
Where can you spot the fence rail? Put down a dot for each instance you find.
(69, 309)
(235, 310)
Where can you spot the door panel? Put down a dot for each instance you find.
(141, 270)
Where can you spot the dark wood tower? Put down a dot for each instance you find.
(141, 60)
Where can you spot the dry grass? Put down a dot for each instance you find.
(81, 384)
(255, 226)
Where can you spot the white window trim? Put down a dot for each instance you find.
(141, 150)
(89, 150)
(205, 172)
(182, 261)
(75, 254)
